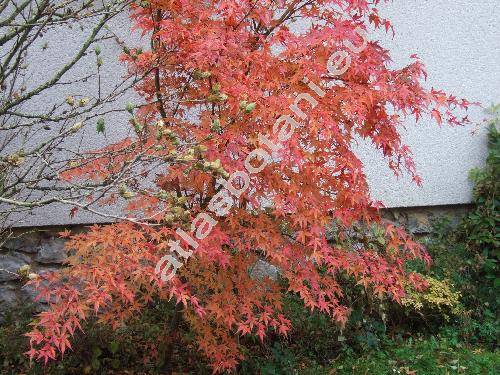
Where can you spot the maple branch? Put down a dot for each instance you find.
(172, 334)
(155, 45)
(285, 16)
(253, 6)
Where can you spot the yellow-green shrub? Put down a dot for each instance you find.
(440, 299)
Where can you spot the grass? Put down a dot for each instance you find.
(430, 356)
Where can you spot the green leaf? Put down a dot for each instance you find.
(100, 127)
(250, 107)
(129, 107)
(95, 363)
(497, 283)
(114, 346)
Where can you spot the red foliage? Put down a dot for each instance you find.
(218, 77)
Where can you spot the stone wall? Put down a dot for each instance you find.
(42, 250)
(32, 251)
(419, 220)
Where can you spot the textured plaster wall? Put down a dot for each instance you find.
(47, 56)
(458, 40)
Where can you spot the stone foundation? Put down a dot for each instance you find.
(42, 250)
(420, 220)
(39, 248)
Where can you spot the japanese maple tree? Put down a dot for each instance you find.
(253, 108)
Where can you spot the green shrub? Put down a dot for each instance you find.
(438, 300)
(466, 255)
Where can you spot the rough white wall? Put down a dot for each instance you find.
(458, 40)
(48, 55)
